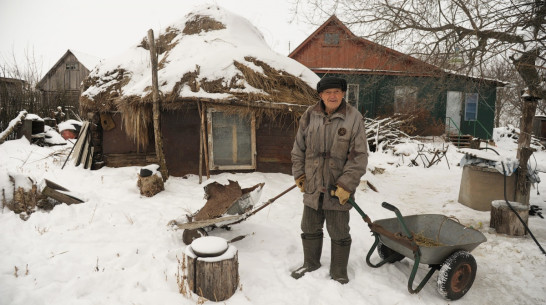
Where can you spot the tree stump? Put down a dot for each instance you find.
(150, 181)
(503, 219)
(213, 277)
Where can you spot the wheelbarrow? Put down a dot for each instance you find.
(242, 208)
(433, 239)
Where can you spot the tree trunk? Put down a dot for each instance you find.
(156, 110)
(213, 278)
(505, 221)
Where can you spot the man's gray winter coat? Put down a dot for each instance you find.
(330, 150)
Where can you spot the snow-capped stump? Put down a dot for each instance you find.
(504, 221)
(150, 181)
(212, 268)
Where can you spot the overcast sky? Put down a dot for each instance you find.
(104, 28)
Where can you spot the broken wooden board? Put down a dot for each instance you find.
(217, 222)
(59, 193)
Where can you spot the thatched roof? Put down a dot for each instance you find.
(210, 55)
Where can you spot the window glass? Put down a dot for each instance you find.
(471, 107)
(405, 98)
(231, 141)
(331, 38)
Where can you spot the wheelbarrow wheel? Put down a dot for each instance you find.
(386, 252)
(190, 235)
(457, 275)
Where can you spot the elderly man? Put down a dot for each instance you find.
(330, 153)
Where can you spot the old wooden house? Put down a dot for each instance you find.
(228, 102)
(382, 81)
(61, 85)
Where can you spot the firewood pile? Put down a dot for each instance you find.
(386, 132)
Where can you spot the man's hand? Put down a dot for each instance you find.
(300, 182)
(341, 194)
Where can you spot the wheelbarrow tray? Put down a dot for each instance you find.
(239, 210)
(449, 234)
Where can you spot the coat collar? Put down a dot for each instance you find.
(341, 110)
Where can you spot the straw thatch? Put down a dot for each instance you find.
(275, 91)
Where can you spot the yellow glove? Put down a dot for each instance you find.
(300, 182)
(341, 194)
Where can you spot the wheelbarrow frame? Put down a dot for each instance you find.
(409, 246)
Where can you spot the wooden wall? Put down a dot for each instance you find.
(351, 53)
(274, 140)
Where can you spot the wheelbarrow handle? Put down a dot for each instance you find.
(389, 207)
(394, 209)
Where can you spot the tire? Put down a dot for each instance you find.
(385, 252)
(457, 275)
(188, 236)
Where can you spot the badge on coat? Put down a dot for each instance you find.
(342, 131)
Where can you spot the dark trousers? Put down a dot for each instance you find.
(337, 223)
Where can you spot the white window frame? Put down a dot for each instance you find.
(404, 95)
(351, 87)
(210, 126)
(470, 98)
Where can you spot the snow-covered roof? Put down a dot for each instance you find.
(212, 54)
(89, 61)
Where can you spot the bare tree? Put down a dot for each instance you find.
(473, 31)
(476, 31)
(27, 97)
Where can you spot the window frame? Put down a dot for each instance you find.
(210, 126)
(407, 90)
(71, 66)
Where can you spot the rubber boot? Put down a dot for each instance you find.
(312, 249)
(340, 259)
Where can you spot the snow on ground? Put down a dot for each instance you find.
(116, 248)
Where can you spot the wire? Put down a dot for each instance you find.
(511, 207)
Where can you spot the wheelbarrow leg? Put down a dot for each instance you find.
(390, 258)
(433, 268)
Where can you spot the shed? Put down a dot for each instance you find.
(383, 81)
(12, 97)
(217, 79)
(61, 85)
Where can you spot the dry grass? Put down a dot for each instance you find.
(198, 24)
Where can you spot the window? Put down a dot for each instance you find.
(471, 107)
(232, 141)
(72, 66)
(331, 39)
(352, 94)
(405, 98)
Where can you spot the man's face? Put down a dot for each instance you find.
(332, 99)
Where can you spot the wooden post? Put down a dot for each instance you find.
(503, 219)
(201, 143)
(204, 138)
(214, 278)
(156, 110)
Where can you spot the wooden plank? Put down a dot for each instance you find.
(209, 222)
(56, 192)
(77, 155)
(85, 150)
